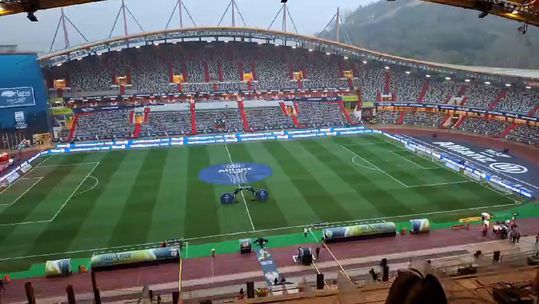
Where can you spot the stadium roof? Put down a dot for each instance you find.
(519, 10)
(532, 74)
(247, 34)
(10, 7)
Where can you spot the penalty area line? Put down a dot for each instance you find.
(61, 207)
(24, 193)
(76, 189)
(378, 168)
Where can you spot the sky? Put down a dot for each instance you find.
(95, 20)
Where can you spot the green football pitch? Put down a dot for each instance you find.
(72, 205)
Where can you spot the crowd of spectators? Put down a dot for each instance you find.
(219, 121)
(169, 123)
(371, 81)
(525, 134)
(204, 64)
(424, 119)
(387, 117)
(481, 96)
(483, 126)
(268, 118)
(520, 101)
(104, 125)
(407, 87)
(219, 66)
(320, 114)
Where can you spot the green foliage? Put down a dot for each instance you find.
(441, 33)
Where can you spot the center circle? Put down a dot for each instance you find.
(235, 173)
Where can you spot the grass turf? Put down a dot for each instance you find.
(73, 205)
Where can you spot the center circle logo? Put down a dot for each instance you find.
(508, 168)
(235, 173)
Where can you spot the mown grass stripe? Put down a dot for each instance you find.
(171, 200)
(59, 234)
(287, 197)
(201, 216)
(136, 219)
(26, 205)
(386, 202)
(321, 201)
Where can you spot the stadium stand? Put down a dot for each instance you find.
(167, 124)
(268, 118)
(406, 87)
(481, 96)
(218, 121)
(371, 83)
(483, 126)
(424, 119)
(387, 117)
(320, 114)
(220, 66)
(104, 125)
(520, 101)
(525, 134)
(441, 91)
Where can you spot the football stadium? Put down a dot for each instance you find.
(234, 164)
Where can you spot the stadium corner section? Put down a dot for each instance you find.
(198, 247)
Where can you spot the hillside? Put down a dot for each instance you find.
(433, 32)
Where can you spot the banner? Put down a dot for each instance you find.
(268, 266)
(133, 257)
(419, 226)
(58, 268)
(11, 178)
(17, 97)
(472, 175)
(26, 167)
(451, 165)
(359, 231)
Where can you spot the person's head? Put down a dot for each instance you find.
(413, 288)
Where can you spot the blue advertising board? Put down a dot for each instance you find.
(23, 95)
(17, 97)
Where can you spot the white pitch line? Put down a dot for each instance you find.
(466, 177)
(441, 184)
(21, 178)
(242, 195)
(368, 162)
(360, 165)
(76, 189)
(473, 161)
(248, 232)
(24, 193)
(24, 175)
(91, 188)
(69, 165)
(25, 223)
(59, 210)
(413, 162)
